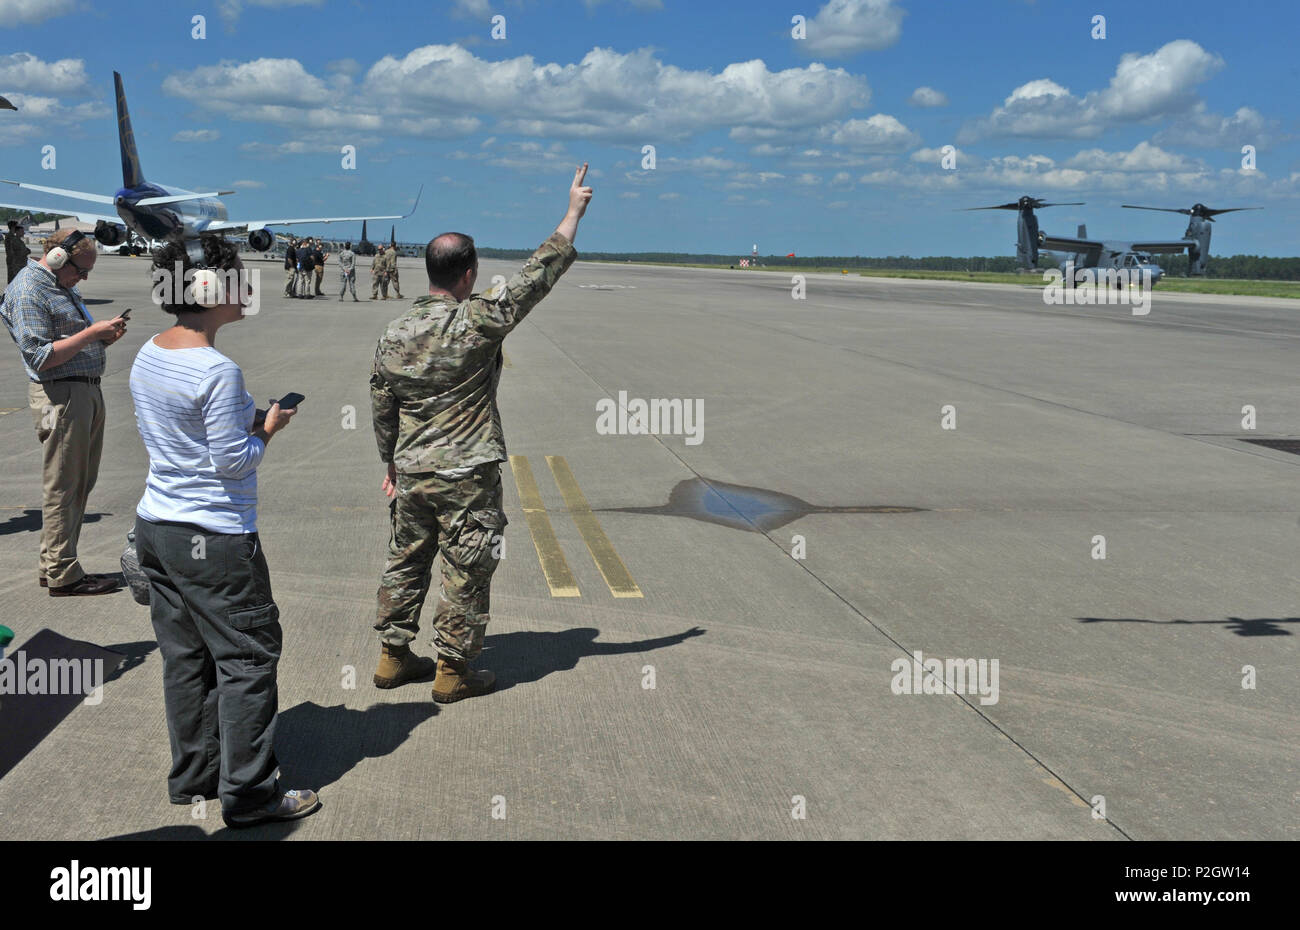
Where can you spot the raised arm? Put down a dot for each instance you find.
(579, 197)
(498, 314)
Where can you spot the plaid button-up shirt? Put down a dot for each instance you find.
(38, 314)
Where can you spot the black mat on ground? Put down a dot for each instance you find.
(46, 663)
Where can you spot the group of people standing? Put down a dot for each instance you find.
(433, 390)
(304, 267)
(383, 272)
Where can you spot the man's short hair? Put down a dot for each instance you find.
(347, 245)
(447, 257)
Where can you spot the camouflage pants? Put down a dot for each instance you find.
(376, 282)
(463, 521)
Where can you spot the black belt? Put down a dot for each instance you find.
(84, 379)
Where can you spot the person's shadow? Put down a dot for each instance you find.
(518, 658)
(318, 745)
(29, 521)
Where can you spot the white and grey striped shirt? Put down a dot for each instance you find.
(194, 416)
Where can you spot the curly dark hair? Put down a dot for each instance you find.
(219, 254)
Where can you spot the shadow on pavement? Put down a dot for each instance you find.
(1257, 626)
(319, 745)
(30, 522)
(519, 658)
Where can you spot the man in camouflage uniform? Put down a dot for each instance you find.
(378, 274)
(391, 256)
(348, 271)
(16, 251)
(433, 396)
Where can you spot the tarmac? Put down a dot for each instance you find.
(702, 635)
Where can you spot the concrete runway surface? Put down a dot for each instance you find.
(631, 557)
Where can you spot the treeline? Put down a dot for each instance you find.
(6, 214)
(1220, 266)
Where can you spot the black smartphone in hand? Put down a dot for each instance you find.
(290, 401)
(126, 314)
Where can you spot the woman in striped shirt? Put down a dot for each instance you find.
(217, 626)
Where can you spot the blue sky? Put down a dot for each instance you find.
(827, 145)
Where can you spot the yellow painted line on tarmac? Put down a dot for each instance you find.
(505, 359)
(4, 410)
(554, 566)
(602, 550)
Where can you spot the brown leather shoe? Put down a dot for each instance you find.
(89, 584)
(398, 665)
(456, 681)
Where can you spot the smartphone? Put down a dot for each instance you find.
(126, 314)
(290, 401)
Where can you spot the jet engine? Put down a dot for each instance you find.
(109, 233)
(259, 240)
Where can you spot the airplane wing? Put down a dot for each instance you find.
(82, 216)
(1162, 245)
(247, 225)
(76, 195)
(1064, 244)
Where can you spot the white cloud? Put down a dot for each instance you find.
(808, 180)
(1143, 157)
(196, 135)
(878, 133)
(37, 116)
(928, 97)
(28, 12)
(607, 95)
(613, 95)
(247, 185)
(230, 10)
(1202, 129)
(846, 27)
(629, 195)
(746, 179)
(348, 66)
(472, 9)
(23, 71)
(1143, 87)
(934, 157)
(670, 196)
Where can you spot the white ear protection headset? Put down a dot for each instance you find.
(206, 288)
(58, 256)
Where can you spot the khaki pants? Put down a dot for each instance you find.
(290, 276)
(320, 273)
(69, 419)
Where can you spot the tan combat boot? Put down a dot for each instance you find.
(457, 681)
(398, 665)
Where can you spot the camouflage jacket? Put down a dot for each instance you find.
(390, 261)
(433, 389)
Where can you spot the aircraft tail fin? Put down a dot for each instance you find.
(132, 174)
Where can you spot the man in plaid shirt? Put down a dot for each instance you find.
(63, 351)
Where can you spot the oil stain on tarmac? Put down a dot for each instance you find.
(745, 508)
